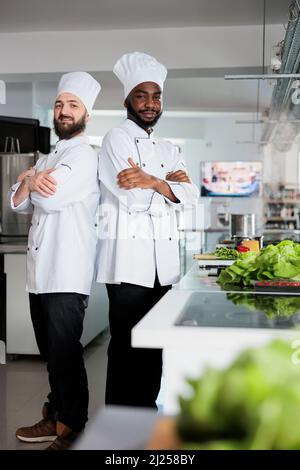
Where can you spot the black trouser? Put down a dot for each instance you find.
(58, 322)
(133, 374)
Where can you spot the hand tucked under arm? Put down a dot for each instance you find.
(178, 176)
(26, 173)
(40, 182)
(135, 177)
(43, 183)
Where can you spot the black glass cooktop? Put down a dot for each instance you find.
(236, 310)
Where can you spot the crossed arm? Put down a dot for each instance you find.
(135, 177)
(31, 181)
(43, 183)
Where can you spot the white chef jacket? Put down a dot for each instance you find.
(62, 238)
(138, 227)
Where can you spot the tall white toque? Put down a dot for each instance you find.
(82, 85)
(137, 67)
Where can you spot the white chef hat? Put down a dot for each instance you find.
(137, 67)
(81, 84)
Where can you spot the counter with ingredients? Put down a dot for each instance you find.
(202, 322)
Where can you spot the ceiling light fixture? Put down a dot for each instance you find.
(263, 75)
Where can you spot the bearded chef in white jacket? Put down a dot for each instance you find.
(63, 192)
(143, 181)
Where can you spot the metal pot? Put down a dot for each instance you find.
(242, 225)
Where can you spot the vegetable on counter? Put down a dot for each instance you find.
(242, 249)
(252, 404)
(225, 253)
(274, 261)
(272, 306)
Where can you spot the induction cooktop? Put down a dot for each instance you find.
(236, 310)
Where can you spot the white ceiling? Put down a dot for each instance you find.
(193, 92)
(75, 15)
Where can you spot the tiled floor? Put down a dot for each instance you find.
(24, 387)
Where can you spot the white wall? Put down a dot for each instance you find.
(19, 100)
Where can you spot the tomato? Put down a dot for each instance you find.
(242, 249)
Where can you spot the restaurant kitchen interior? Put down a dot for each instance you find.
(231, 108)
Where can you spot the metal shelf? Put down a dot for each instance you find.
(282, 201)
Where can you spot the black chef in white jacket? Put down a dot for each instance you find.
(142, 181)
(62, 190)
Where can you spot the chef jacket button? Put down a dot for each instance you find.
(129, 213)
(170, 238)
(55, 151)
(153, 143)
(36, 248)
(137, 140)
(133, 236)
(162, 165)
(28, 248)
(144, 164)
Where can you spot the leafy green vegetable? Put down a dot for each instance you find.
(282, 260)
(226, 253)
(252, 404)
(272, 306)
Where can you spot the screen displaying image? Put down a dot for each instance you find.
(240, 179)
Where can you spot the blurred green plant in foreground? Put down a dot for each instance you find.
(252, 404)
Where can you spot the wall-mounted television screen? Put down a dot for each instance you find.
(231, 178)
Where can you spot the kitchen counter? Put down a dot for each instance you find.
(197, 324)
(108, 429)
(10, 248)
(16, 330)
(198, 280)
(5, 249)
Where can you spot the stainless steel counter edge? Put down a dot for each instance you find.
(8, 248)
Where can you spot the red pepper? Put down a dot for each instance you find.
(242, 249)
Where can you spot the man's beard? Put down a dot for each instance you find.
(71, 130)
(139, 117)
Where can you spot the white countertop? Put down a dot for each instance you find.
(157, 329)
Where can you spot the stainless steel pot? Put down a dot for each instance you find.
(242, 225)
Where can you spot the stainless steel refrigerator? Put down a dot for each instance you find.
(13, 226)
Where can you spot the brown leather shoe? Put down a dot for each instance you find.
(43, 431)
(65, 437)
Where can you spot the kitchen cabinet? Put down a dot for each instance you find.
(19, 331)
(2, 313)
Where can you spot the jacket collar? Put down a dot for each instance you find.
(68, 143)
(136, 130)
